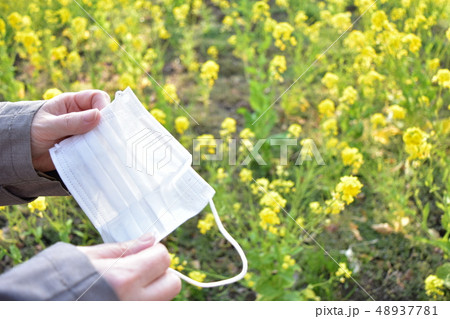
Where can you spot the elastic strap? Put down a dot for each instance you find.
(234, 243)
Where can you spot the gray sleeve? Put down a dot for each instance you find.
(60, 272)
(19, 182)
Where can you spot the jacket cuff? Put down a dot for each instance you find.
(16, 119)
(61, 272)
(19, 181)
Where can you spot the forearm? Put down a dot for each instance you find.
(61, 272)
(19, 181)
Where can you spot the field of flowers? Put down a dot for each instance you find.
(358, 207)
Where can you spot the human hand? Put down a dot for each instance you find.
(60, 117)
(136, 270)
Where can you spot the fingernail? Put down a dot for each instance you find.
(90, 116)
(147, 237)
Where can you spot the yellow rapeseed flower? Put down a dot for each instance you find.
(379, 19)
(2, 28)
(433, 64)
(370, 78)
(180, 13)
(213, 52)
(51, 93)
(121, 29)
(424, 100)
(434, 286)
(341, 21)
(79, 25)
(73, 61)
(170, 93)
(260, 11)
(396, 112)
(260, 186)
(294, 130)
(416, 143)
(232, 40)
(208, 142)
(30, 41)
(315, 207)
(197, 4)
(250, 282)
(269, 25)
(355, 40)
(227, 22)
(197, 276)
(277, 67)
(268, 217)
(414, 42)
(282, 32)
(326, 108)
(39, 204)
(126, 80)
(352, 157)
(206, 224)
(15, 20)
(282, 3)
(221, 174)
(228, 126)
(162, 32)
(334, 206)
(181, 124)
(246, 175)
(406, 3)
(288, 261)
(175, 262)
(397, 14)
(350, 95)
(209, 72)
(246, 134)
(343, 272)
(378, 120)
(59, 53)
(150, 56)
(442, 78)
(332, 143)
(282, 186)
(348, 188)
(273, 200)
(300, 18)
(159, 115)
(330, 126)
(330, 80)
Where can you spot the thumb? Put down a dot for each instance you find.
(76, 122)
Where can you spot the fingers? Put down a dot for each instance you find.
(149, 264)
(164, 288)
(117, 250)
(74, 123)
(141, 275)
(81, 101)
(91, 99)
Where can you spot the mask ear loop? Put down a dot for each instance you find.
(236, 246)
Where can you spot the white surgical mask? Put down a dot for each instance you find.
(131, 176)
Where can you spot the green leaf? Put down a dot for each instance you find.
(443, 272)
(15, 254)
(425, 213)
